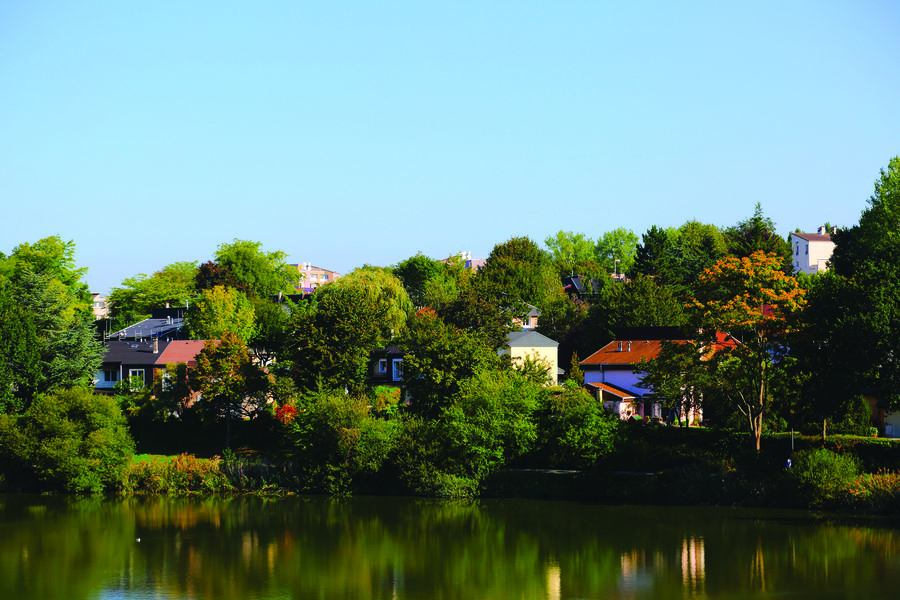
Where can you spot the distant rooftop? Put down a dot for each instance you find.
(167, 328)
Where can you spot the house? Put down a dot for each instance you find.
(612, 373)
(530, 321)
(142, 359)
(529, 344)
(126, 359)
(100, 306)
(811, 251)
(472, 264)
(312, 277)
(386, 367)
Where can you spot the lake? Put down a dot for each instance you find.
(403, 548)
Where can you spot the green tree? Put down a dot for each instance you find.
(653, 255)
(219, 310)
(697, 247)
(329, 343)
(231, 384)
(519, 271)
(429, 282)
(576, 431)
(637, 303)
(20, 368)
(868, 283)
(485, 426)
(67, 441)
(271, 331)
(438, 358)
(51, 258)
(757, 234)
(70, 353)
(336, 441)
(484, 309)
(616, 249)
(259, 272)
(383, 289)
(136, 298)
(569, 250)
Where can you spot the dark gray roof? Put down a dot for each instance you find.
(132, 353)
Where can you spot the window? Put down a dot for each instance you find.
(398, 369)
(325, 277)
(797, 249)
(136, 379)
(111, 376)
(382, 365)
(166, 382)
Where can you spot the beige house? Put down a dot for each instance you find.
(811, 251)
(523, 345)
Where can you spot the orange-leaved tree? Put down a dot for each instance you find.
(755, 303)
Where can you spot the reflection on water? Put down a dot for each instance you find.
(400, 548)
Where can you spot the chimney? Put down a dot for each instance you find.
(619, 347)
(822, 230)
(629, 346)
(156, 346)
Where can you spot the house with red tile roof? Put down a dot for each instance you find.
(612, 373)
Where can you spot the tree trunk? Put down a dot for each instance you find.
(824, 427)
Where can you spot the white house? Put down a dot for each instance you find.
(811, 251)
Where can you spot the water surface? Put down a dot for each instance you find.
(401, 548)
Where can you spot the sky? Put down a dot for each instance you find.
(349, 133)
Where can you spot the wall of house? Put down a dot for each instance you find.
(547, 356)
(892, 424)
(625, 378)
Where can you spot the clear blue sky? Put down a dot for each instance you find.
(347, 133)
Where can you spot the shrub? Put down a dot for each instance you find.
(822, 477)
(335, 441)
(487, 425)
(67, 441)
(575, 429)
(184, 474)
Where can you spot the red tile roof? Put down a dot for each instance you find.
(632, 352)
(624, 352)
(179, 351)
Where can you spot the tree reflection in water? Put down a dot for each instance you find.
(408, 548)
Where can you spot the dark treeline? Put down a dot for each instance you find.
(289, 382)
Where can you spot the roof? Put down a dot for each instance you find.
(533, 311)
(133, 353)
(150, 328)
(813, 237)
(529, 339)
(632, 352)
(624, 352)
(181, 351)
(614, 390)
